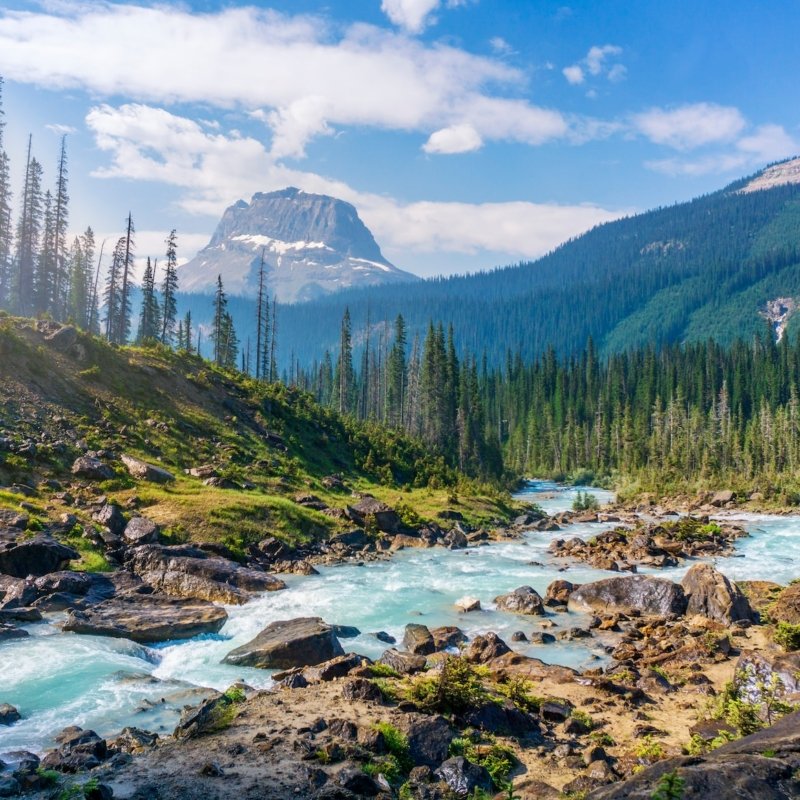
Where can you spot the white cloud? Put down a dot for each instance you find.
(573, 74)
(500, 46)
(595, 63)
(455, 139)
(756, 149)
(215, 169)
(596, 57)
(412, 15)
(304, 76)
(690, 126)
(59, 129)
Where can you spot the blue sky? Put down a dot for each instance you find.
(468, 133)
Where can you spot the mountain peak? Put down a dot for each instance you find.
(312, 244)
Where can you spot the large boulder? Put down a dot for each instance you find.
(186, 571)
(710, 594)
(141, 530)
(92, 469)
(76, 583)
(630, 593)
(36, 556)
(760, 672)
(146, 472)
(301, 642)
(463, 777)
(78, 750)
(485, 647)
(758, 767)
(147, 618)
(8, 714)
(558, 592)
(418, 639)
(429, 738)
(524, 600)
(370, 512)
(402, 662)
(787, 606)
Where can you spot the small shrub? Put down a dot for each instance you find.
(584, 501)
(397, 745)
(455, 688)
(787, 636)
(670, 787)
(649, 750)
(517, 690)
(583, 718)
(235, 694)
(379, 670)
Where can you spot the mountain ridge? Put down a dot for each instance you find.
(311, 245)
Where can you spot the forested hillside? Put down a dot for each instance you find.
(683, 273)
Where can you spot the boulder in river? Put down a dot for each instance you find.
(710, 594)
(630, 593)
(8, 714)
(147, 618)
(35, 556)
(187, 571)
(301, 642)
(418, 639)
(524, 600)
(467, 604)
(558, 592)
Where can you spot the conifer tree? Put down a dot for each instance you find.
(150, 314)
(59, 236)
(112, 296)
(187, 333)
(218, 331)
(5, 213)
(169, 289)
(345, 384)
(78, 299)
(123, 328)
(29, 229)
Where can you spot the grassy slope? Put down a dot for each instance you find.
(179, 411)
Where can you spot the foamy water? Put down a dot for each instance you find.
(58, 679)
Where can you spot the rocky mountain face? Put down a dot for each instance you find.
(311, 244)
(785, 172)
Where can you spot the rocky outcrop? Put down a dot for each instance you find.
(630, 593)
(787, 606)
(187, 571)
(403, 663)
(760, 672)
(38, 555)
(429, 738)
(758, 767)
(370, 512)
(524, 600)
(302, 642)
(147, 618)
(710, 594)
(78, 750)
(146, 472)
(463, 777)
(485, 647)
(92, 469)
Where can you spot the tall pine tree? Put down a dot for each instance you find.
(169, 290)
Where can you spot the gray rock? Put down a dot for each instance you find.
(141, 530)
(92, 469)
(8, 714)
(36, 556)
(712, 595)
(404, 663)
(418, 639)
(111, 516)
(301, 642)
(146, 472)
(630, 593)
(187, 571)
(736, 770)
(524, 600)
(429, 738)
(463, 777)
(147, 618)
(63, 338)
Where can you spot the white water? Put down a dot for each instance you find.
(58, 679)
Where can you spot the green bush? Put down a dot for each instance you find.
(787, 636)
(670, 787)
(584, 501)
(456, 687)
(397, 745)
